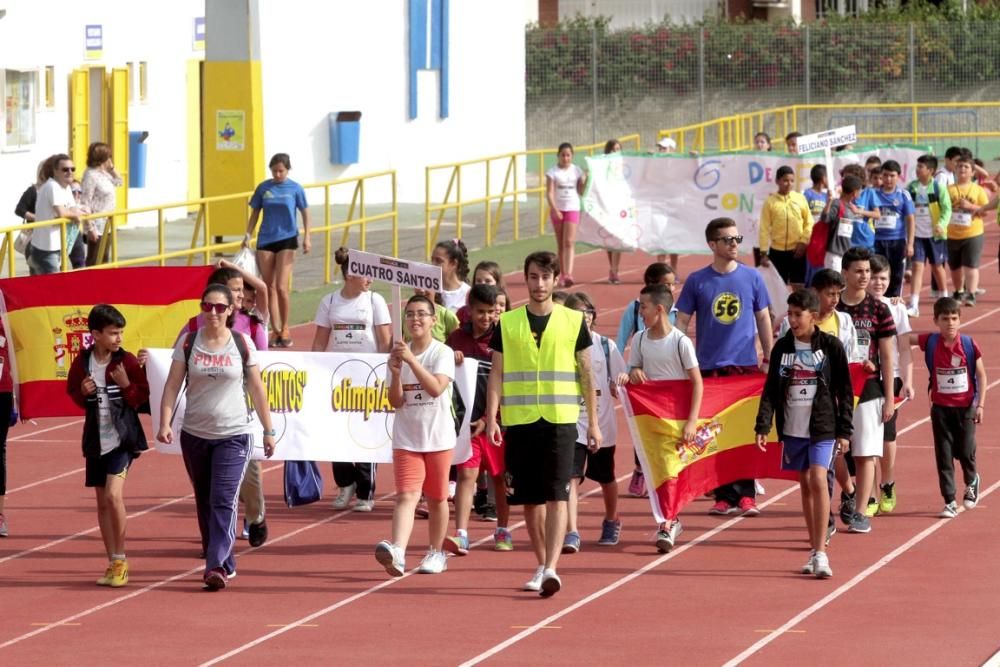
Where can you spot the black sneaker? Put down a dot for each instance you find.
(257, 533)
(969, 299)
(489, 513)
(971, 497)
(479, 501)
(846, 508)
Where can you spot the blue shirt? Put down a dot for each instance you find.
(894, 207)
(632, 324)
(724, 304)
(817, 200)
(278, 203)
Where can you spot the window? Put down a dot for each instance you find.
(143, 80)
(20, 93)
(50, 87)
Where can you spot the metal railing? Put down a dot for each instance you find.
(203, 240)
(492, 193)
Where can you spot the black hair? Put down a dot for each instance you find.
(946, 306)
(609, 146)
(501, 292)
(223, 275)
(491, 268)
(420, 298)
(560, 296)
(817, 173)
(484, 294)
(853, 169)
(104, 315)
(792, 135)
(766, 136)
(893, 166)
(457, 253)
(967, 154)
(563, 146)
(220, 288)
(879, 263)
(575, 299)
(660, 295)
(715, 225)
(826, 278)
(784, 170)
(873, 159)
(928, 161)
(546, 261)
(280, 158)
(876, 170)
(805, 299)
(851, 184)
(655, 272)
(855, 254)
(952, 152)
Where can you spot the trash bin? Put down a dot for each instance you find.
(345, 137)
(137, 147)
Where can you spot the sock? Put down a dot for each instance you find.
(914, 300)
(117, 557)
(549, 570)
(888, 486)
(463, 533)
(503, 528)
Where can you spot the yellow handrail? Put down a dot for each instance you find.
(201, 240)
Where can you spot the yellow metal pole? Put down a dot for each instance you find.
(65, 250)
(327, 234)
(208, 237)
(915, 121)
(8, 245)
(197, 230)
(161, 237)
(395, 218)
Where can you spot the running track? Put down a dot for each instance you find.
(916, 591)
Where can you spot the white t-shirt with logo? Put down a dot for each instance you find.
(566, 195)
(667, 358)
(903, 329)
(605, 403)
(454, 299)
(105, 425)
(801, 390)
(922, 212)
(50, 195)
(352, 322)
(425, 423)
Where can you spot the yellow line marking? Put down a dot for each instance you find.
(285, 625)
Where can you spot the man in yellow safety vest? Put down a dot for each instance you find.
(537, 382)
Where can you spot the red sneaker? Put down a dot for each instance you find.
(722, 508)
(748, 507)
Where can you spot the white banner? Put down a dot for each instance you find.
(394, 271)
(325, 406)
(661, 203)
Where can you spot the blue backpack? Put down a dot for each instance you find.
(970, 360)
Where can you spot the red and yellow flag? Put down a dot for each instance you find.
(47, 318)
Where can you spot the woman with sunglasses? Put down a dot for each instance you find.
(215, 436)
(55, 200)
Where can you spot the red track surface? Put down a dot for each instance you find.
(915, 591)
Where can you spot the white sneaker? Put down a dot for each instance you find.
(391, 558)
(913, 311)
(535, 583)
(551, 583)
(950, 510)
(980, 291)
(364, 505)
(343, 498)
(810, 566)
(435, 562)
(936, 294)
(821, 566)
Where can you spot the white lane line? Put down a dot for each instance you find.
(617, 584)
(45, 481)
(857, 579)
(24, 436)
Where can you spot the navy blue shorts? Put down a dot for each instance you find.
(930, 250)
(291, 243)
(114, 463)
(800, 453)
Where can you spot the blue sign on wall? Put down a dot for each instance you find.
(429, 47)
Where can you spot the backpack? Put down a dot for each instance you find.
(606, 346)
(635, 318)
(816, 250)
(970, 360)
(863, 235)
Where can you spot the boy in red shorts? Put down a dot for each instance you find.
(472, 340)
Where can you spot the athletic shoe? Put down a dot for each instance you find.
(343, 498)
(969, 300)
(958, 295)
(479, 501)
(435, 562)
(422, 511)
(364, 505)
(980, 291)
(503, 540)
(106, 579)
(458, 545)
(971, 497)
(935, 294)
(257, 533)
(613, 278)
(722, 508)
(3, 526)
(571, 543)
(748, 507)
(284, 338)
(950, 510)
(390, 557)
(887, 501)
(215, 579)
(489, 513)
(535, 583)
(831, 530)
(611, 532)
(637, 485)
(847, 507)
(859, 524)
(245, 535)
(810, 566)
(551, 583)
(119, 573)
(567, 281)
(666, 539)
(821, 567)
(913, 311)
(871, 509)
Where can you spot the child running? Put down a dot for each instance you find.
(108, 383)
(958, 400)
(662, 352)
(808, 392)
(423, 438)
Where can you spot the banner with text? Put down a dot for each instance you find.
(325, 406)
(661, 203)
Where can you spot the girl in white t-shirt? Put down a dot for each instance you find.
(453, 258)
(564, 185)
(423, 437)
(354, 320)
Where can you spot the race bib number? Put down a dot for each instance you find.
(414, 395)
(727, 308)
(922, 215)
(952, 380)
(802, 389)
(864, 344)
(887, 221)
(349, 334)
(961, 219)
(845, 229)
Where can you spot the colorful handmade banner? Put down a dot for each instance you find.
(325, 406)
(677, 472)
(661, 203)
(47, 318)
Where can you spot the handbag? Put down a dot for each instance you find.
(246, 260)
(23, 240)
(303, 483)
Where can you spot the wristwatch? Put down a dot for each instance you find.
(271, 433)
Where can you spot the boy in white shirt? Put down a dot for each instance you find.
(661, 352)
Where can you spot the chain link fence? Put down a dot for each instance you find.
(586, 83)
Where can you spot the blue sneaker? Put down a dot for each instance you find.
(458, 545)
(610, 532)
(571, 543)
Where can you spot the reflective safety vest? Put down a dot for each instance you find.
(540, 382)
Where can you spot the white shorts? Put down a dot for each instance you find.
(868, 428)
(831, 261)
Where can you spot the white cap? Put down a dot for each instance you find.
(667, 142)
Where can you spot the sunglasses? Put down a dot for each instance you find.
(67, 170)
(219, 308)
(729, 239)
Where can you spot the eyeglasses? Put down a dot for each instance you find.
(418, 315)
(729, 239)
(591, 312)
(219, 308)
(67, 170)
(77, 192)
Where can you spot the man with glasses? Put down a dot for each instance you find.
(55, 200)
(731, 305)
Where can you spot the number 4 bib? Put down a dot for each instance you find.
(952, 380)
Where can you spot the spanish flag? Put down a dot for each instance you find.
(724, 452)
(47, 320)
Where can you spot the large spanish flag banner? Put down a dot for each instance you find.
(47, 320)
(678, 472)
